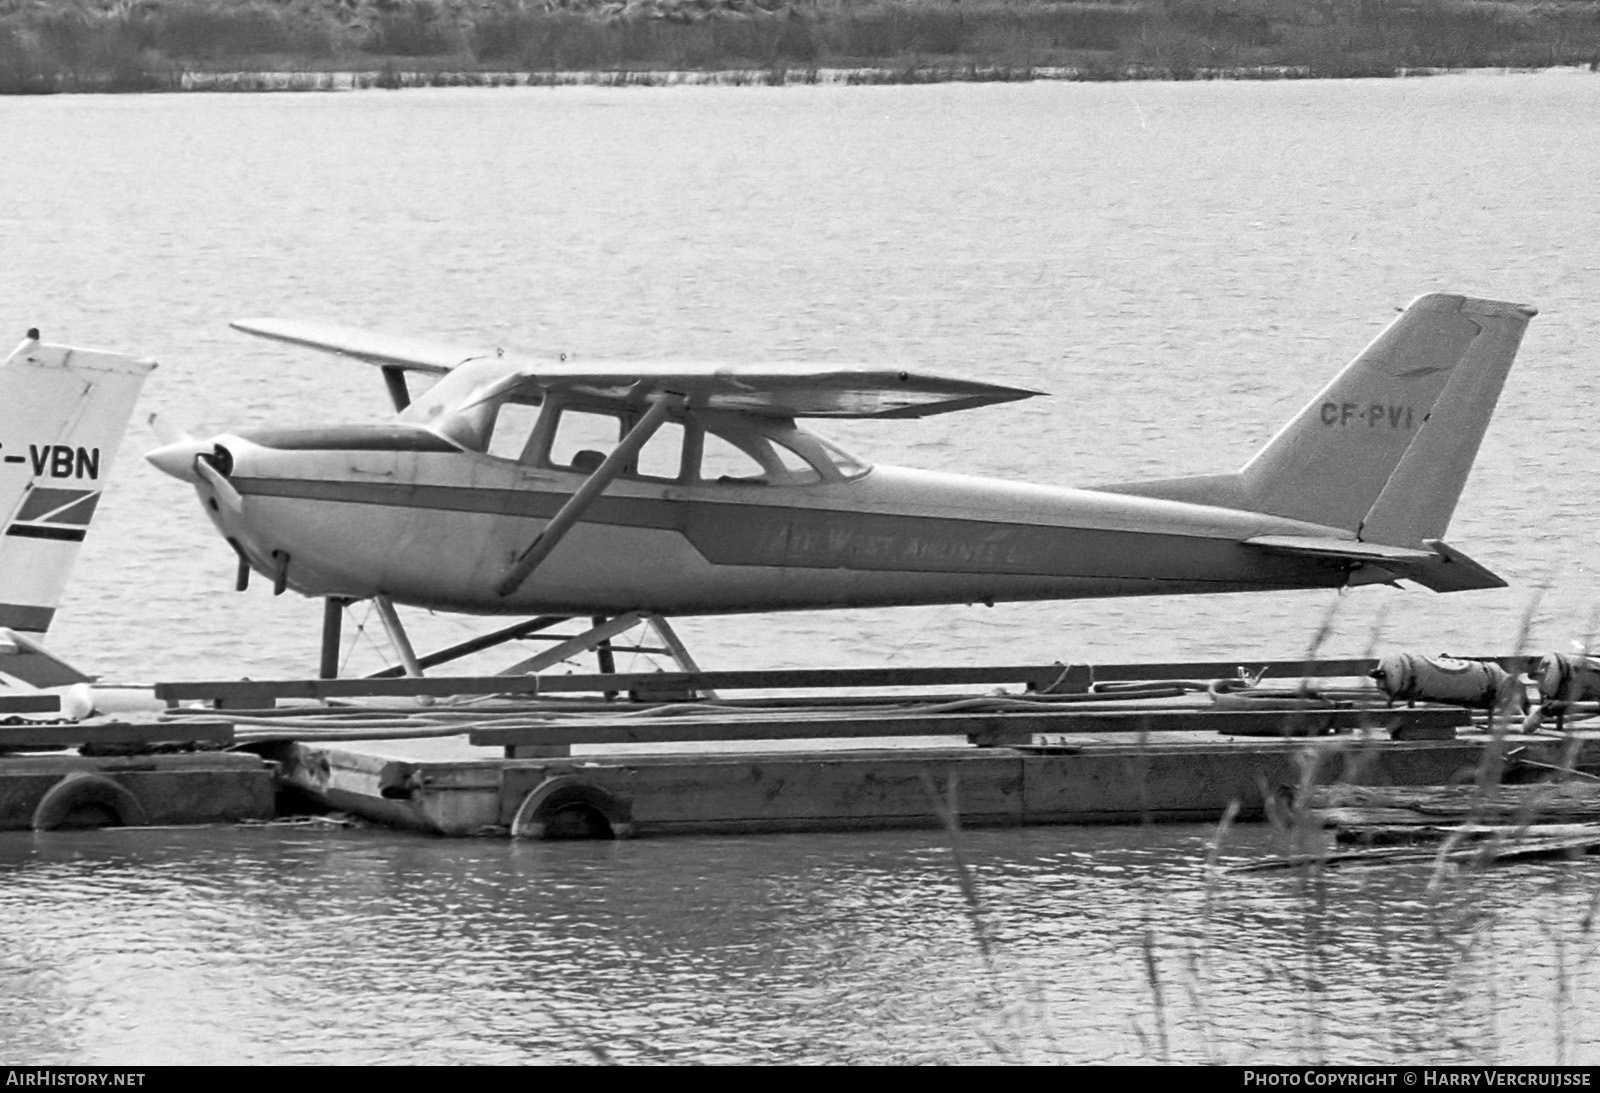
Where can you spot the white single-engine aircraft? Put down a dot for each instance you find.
(639, 490)
(62, 415)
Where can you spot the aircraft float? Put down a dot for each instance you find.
(626, 491)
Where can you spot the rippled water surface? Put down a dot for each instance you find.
(1181, 265)
(1086, 945)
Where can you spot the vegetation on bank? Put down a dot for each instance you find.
(138, 45)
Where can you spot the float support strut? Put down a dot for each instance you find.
(332, 619)
(582, 643)
(475, 645)
(680, 652)
(397, 635)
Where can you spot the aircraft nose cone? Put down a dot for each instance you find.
(177, 458)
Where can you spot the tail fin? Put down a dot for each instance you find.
(62, 415)
(1383, 451)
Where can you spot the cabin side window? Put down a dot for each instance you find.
(583, 439)
(661, 457)
(580, 440)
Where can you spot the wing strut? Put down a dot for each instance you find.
(586, 494)
(399, 392)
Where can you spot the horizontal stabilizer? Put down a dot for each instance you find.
(1441, 567)
(1455, 572)
(24, 659)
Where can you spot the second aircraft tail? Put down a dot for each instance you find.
(62, 415)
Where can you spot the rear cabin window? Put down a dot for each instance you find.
(798, 470)
(723, 461)
(846, 464)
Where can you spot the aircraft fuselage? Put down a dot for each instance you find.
(377, 512)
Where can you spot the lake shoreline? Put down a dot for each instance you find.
(390, 79)
(100, 46)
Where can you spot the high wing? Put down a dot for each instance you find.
(769, 390)
(389, 350)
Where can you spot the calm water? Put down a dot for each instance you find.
(1181, 265)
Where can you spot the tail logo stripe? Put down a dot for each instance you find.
(60, 506)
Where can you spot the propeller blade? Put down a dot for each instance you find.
(166, 431)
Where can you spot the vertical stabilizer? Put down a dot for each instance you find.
(1384, 449)
(62, 415)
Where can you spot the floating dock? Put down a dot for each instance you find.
(618, 755)
(615, 755)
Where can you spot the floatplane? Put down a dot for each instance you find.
(63, 412)
(625, 492)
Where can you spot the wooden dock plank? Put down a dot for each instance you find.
(1060, 678)
(1570, 801)
(987, 729)
(241, 693)
(188, 731)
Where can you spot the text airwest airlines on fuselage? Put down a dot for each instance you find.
(1411, 1078)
